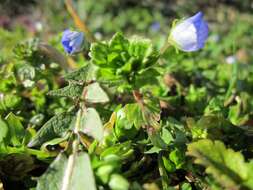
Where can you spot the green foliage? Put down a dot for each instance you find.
(123, 60)
(4, 130)
(57, 126)
(121, 114)
(73, 172)
(227, 166)
(73, 90)
(85, 74)
(91, 124)
(95, 94)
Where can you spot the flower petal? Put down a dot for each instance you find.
(190, 34)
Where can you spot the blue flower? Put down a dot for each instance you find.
(72, 41)
(155, 26)
(190, 34)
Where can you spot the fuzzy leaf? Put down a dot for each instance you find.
(227, 166)
(73, 90)
(56, 127)
(86, 73)
(74, 172)
(95, 94)
(92, 124)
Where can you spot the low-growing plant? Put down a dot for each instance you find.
(131, 117)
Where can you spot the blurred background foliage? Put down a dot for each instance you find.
(230, 38)
(194, 84)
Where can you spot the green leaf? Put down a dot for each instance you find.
(177, 157)
(95, 94)
(65, 173)
(153, 150)
(9, 101)
(104, 172)
(56, 127)
(118, 182)
(168, 164)
(98, 53)
(185, 186)
(123, 150)
(227, 166)
(134, 114)
(147, 77)
(84, 74)
(3, 130)
(16, 130)
(120, 58)
(124, 128)
(196, 99)
(73, 90)
(91, 124)
(143, 50)
(118, 42)
(166, 136)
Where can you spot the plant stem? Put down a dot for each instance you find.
(164, 48)
(233, 81)
(162, 171)
(78, 22)
(71, 160)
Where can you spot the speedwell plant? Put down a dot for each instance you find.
(126, 119)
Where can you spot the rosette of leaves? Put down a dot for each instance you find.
(129, 63)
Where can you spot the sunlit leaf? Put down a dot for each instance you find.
(227, 166)
(73, 172)
(57, 126)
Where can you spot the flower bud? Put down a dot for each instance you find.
(72, 41)
(190, 34)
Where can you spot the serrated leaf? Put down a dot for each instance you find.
(91, 124)
(56, 127)
(134, 114)
(98, 53)
(65, 173)
(227, 166)
(123, 54)
(147, 77)
(95, 94)
(143, 50)
(118, 42)
(86, 73)
(16, 130)
(73, 90)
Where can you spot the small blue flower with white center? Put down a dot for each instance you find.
(190, 34)
(72, 41)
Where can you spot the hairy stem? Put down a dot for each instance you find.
(71, 160)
